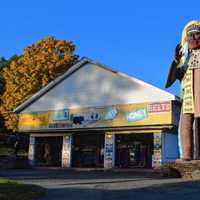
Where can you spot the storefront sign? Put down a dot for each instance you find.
(136, 115)
(110, 116)
(60, 115)
(159, 107)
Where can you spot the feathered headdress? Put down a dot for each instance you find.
(192, 26)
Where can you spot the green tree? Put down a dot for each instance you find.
(39, 64)
(3, 64)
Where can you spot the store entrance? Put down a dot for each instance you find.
(88, 150)
(134, 150)
(48, 151)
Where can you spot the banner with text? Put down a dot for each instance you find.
(157, 113)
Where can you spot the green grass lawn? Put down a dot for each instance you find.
(11, 190)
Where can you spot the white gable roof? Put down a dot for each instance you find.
(90, 84)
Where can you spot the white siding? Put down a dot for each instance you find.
(93, 86)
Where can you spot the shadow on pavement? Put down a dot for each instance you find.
(180, 191)
(35, 174)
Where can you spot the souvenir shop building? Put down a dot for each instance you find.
(94, 116)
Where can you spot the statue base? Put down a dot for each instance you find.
(184, 161)
(188, 169)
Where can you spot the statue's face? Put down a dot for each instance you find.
(194, 40)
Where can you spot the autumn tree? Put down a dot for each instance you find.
(39, 64)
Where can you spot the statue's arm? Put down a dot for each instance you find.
(174, 71)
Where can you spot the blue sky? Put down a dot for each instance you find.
(135, 37)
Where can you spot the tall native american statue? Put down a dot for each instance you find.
(186, 68)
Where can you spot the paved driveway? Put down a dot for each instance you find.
(100, 185)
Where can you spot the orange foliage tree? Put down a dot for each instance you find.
(39, 64)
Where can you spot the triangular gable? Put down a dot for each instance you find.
(90, 84)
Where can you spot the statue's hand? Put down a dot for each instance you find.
(177, 53)
(180, 74)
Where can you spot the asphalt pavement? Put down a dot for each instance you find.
(106, 185)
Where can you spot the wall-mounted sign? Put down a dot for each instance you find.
(109, 116)
(60, 115)
(136, 115)
(159, 107)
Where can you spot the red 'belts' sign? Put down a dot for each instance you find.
(159, 107)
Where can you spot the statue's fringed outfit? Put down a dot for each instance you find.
(191, 85)
(191, 102)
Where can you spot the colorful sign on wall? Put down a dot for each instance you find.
(109, 151)
(157, 150)
(66, 151)
(110, 116)
(31, 153)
